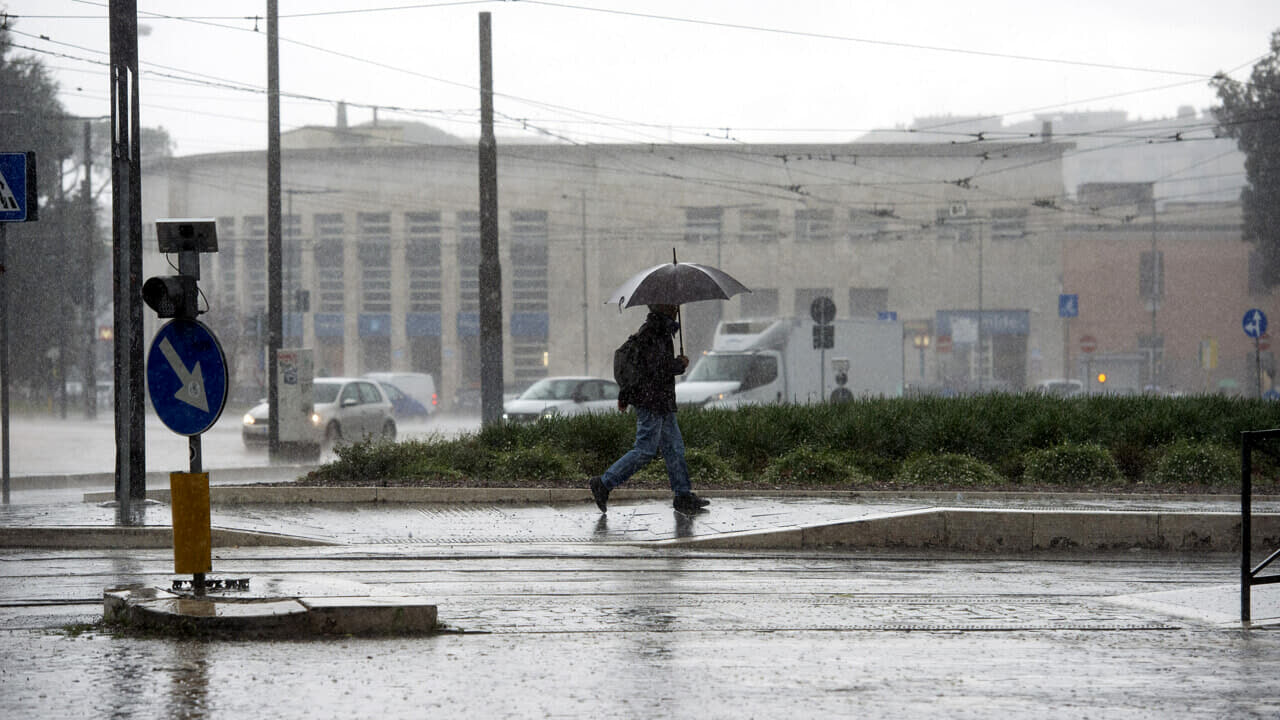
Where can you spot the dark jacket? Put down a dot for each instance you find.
(656, 391)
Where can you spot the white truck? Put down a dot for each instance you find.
(775, 361)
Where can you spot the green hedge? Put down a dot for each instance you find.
(1019, 438)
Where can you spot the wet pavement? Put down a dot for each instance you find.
(552, 610)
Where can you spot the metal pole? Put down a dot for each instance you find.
(1246, 524)
(126, 193)
(1157, 289)
(90, 259)
(274, 320)
(4, 356)
(490, 271)
(1257, 363)
(586, 353)
(981, 347)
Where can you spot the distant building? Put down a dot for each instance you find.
(1163, 291)
(964, 243)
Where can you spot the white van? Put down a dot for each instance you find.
(419, 386)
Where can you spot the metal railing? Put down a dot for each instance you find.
(1249, 574)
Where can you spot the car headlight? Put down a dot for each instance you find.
(248, 419)
(316, 419)
(550, 412)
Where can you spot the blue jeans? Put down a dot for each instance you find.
(654, 431)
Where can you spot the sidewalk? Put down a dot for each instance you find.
(245, 515)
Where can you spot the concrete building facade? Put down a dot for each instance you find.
(963, 243)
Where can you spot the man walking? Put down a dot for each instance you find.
(654, 398)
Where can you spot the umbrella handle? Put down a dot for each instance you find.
(681, 326)
(673, 262)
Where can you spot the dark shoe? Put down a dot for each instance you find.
(600, 493)
(689, 504)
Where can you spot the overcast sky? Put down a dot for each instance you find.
(652, 71)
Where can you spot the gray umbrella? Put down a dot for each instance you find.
(676, 283)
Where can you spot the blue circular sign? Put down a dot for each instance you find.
(187, 377)
(1254, 323)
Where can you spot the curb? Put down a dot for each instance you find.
(977, 530)
(137, 538)
(156, 610)
(295, 494)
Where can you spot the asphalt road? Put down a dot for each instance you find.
(595, 629)
(45, 445)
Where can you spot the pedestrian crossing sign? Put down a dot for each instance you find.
(18, 187)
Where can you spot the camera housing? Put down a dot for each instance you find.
(187, 235)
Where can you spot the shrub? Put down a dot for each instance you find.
(947, 470)
(705, 468)
(807, 466)
(1196, 463)
(533, 465)
(1067, 464)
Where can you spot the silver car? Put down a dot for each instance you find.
(554, 396)
(343, 409)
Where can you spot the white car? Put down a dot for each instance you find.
(343, 409)
(554, 396)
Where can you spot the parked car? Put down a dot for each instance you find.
(553, 396)
(406, 408)
(343, 409)
(1060, 387)
(419, 386)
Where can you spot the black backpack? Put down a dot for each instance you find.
(627, 369)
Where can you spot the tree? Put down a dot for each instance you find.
(1250, 113)
(45, 268)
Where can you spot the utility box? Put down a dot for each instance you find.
(192, 535)
(295, 377)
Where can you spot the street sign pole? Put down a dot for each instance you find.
(1257, 364)
(4, 358)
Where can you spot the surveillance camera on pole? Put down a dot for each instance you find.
(175, 296)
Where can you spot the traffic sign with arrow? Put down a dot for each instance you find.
(187, 377)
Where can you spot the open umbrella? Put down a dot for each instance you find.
(676, 283)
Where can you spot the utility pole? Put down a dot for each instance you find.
(490, 270)
(586, 345)
(90, 224)
(126, 236)
(274, 317)
(1157, 288)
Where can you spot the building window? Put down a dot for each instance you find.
(1151, 275)
(422, 257)
(374, 233)
(703, 224)
(226, 260)
(255, 261)
(469, 300)
(530, 320)
(469, 261)
(329, 231)
(291, 263)
(814, 225)
(759, 226)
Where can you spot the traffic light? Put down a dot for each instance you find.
(171, 296)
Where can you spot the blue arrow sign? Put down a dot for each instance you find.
(17, 187)
(1068, 305)
(1255, 323)
(187, 377)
